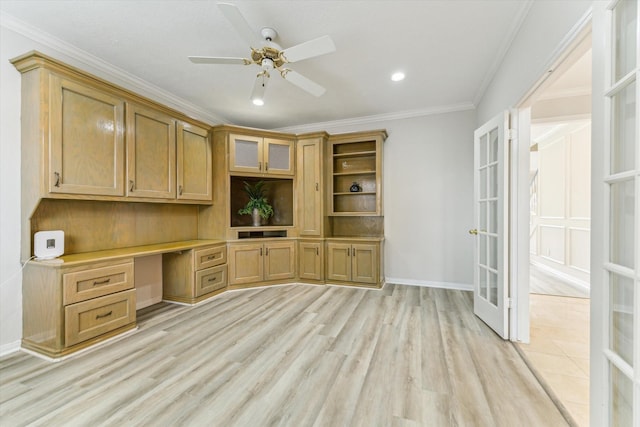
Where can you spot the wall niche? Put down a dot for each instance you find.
(279, 193)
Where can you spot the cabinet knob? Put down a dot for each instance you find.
(57, 183)
(259, 166)
(131, 185)
(180, 190)
(317, 187)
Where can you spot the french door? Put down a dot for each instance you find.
(621, 284)
(491, 182)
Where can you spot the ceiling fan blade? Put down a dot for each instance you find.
(315, 47)
(303, 83)
(259, 88)
(233, 15)
(218, 60)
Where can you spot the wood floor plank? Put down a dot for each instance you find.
(292, 355)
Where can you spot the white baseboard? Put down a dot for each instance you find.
(9, 348)
(431, 284)
(562, 276)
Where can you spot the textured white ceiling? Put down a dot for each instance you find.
(448, 49)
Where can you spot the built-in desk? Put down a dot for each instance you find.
(78, 300)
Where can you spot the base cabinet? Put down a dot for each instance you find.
(357, 263)
(68, 308)
(257, 262)
(191, 276)
(311, 260)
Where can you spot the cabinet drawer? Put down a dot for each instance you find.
(210, 257)
(89, 319)
(96, 282)
(210, 280)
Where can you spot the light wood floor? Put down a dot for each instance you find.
(293, 356)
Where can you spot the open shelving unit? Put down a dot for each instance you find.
(356, 160)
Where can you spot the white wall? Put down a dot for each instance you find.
(562, 220)
(428, 196)
(531, 53)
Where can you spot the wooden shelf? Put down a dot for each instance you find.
(355, 173)
(357, 193)
(356, 159)
(355, 154)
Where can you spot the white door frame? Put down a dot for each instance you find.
(519, 186)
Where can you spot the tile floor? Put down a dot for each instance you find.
(559, 350)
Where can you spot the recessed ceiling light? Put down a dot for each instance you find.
(259, 102)
(396, 77)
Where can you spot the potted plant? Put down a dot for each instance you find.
(257, 206)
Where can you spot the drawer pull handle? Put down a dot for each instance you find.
(131, 186)
(210, 257)
(102, 282)
(102, 316)
(212, 279)
(180, 190)
(57, 183)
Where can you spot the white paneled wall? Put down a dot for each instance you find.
(561, 224)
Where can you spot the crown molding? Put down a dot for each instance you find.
(107, 71)
(366, 120)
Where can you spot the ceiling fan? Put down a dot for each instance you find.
(269, 56)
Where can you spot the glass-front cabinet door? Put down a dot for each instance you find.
(278, 156)
(245, 153)
(260, 155)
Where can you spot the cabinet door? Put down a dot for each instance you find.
(87, 140)
(279, 260)
(339, 261)
(245, 263)
(364, 263)
(310, 260)
(151, 153)
(245, 153)
(309, 181)
(278, 156)
(194, 173)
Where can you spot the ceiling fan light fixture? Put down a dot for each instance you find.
(397, 76)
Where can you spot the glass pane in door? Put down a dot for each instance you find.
(622, 223)
(621, 297)
(621, 395)
(624, 130)
(493, 288)
(482, 282)
(246, 153)
(625, 24)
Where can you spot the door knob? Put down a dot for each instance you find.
(474, 231)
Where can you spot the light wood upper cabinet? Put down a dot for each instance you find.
(86, 153)
(254, 154)
(310, 207)
(151, 153)
(194, 172)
